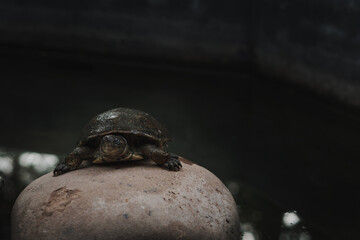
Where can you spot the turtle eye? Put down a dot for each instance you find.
(117, 141)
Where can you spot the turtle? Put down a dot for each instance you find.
(121, 134)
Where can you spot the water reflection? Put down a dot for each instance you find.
(6, 165)
(24, 167)
(40, 162)
(292, 227)
(249, 232)
(2, 183)
(233, 187)
(290, 219)
(18, 169)
(248, 236)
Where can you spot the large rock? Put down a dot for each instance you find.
(126, 201)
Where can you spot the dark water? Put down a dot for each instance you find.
(289, 157)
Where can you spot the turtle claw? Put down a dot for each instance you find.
(61, 168)
(173, 164)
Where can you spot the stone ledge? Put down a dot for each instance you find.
(135, 200)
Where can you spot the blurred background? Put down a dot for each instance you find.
(264, 94)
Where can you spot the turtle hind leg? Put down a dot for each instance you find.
(73, 160)
(168, 160)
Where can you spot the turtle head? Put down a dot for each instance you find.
(113, 146)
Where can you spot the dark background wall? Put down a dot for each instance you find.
(196, 31)
(311, 43)
(261, 93)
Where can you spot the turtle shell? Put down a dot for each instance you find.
(131, 123)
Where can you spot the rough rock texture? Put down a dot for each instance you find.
(126, 201)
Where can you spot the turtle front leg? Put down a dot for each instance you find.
(73, 160)
(168, 160)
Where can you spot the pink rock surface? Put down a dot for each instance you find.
(126, 201)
